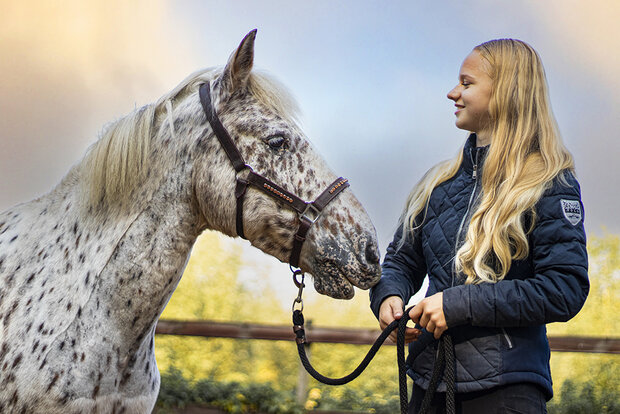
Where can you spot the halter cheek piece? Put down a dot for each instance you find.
(308, 212)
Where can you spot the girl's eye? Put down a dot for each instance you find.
(465, 83)
(276, 141)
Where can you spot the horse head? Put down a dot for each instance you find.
(340, 250)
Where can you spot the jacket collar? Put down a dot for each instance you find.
(473, 155)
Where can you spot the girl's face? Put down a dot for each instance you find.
(471, 97)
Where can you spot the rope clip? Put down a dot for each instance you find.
(300, 284)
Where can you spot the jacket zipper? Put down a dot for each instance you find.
(474, 175)
(508, 340)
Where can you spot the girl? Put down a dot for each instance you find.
(499, 231)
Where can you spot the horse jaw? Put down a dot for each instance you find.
(342, 250)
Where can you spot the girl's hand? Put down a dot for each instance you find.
(391, 309)
(429, 314)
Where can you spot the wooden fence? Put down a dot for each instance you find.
(348, 336)
(316, 334)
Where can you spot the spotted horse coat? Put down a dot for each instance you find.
(86, 270)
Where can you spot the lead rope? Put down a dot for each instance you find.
(444, 364)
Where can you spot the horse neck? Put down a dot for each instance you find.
(195, 194)
(148, 261)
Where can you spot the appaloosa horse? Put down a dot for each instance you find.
(86, 270)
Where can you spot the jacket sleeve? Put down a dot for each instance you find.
(559, 286)
(402, 272)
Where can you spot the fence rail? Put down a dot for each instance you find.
(348, 336)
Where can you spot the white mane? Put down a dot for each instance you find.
(119, 162)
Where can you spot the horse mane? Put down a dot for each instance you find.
(119, 163)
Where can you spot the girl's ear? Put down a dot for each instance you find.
(237, 71)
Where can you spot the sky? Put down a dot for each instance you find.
(370, 77)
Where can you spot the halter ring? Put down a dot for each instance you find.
(312, 217)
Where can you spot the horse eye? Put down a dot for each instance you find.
(276, 141)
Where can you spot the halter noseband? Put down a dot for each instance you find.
(308, 212)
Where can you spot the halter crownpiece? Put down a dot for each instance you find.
(308, 212)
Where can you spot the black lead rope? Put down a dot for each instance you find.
(444, 364)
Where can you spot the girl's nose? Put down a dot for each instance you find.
(454, 94)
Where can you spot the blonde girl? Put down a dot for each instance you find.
(499, 232)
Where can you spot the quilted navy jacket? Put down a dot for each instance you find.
(498, 329)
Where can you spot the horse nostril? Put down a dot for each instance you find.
(372, 252)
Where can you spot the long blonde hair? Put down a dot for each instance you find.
(525, 155)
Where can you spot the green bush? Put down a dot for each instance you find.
(234, 397)
(598, 396)
(585, 398)
(347, 399)
(231, 397)
(596, 393)
(175, 391)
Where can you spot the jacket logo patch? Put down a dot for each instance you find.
(572, 211)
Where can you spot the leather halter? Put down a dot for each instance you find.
(308, 212)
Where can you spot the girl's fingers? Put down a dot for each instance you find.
(438, 332)
(430, 327)
(397, 309)
(416, 312)
(411, 334)
(385, 319)
(424, 321)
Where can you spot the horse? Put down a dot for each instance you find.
(86, 269)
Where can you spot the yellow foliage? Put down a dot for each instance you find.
(599, 316)
(314, 394)
(210, 289)
(354, 313)
(310, 404)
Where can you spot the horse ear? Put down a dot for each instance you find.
(239, 66)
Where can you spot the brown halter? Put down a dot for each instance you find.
(308, 212)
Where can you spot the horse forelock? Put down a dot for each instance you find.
(268, 91)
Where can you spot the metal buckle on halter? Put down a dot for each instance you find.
(315, 213)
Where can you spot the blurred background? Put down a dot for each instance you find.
(371, 79)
